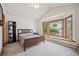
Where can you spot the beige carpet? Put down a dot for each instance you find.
(12, 49)
(42, 49)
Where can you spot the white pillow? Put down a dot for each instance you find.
(27, 34)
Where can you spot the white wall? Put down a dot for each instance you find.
(61, 12)
(77, 25)
(22, 23)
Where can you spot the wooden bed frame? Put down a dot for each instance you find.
(32, 41)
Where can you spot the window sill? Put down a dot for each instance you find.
(59, 39)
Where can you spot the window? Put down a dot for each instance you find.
(60, 28)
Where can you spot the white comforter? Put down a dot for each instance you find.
(28, 36)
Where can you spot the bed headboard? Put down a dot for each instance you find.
(23, 31)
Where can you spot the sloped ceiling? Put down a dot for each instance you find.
(27, 10)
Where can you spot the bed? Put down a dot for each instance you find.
(27, 38)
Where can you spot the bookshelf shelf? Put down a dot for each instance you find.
(11, 31)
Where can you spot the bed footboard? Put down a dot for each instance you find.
(33, 41)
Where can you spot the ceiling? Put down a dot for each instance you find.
(28, 11)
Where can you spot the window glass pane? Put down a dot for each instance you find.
(56, 28)
(45, 26)
(69, 27)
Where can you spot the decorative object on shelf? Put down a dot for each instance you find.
(36, 33)
(0, 22)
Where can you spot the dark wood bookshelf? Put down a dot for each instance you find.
(11, 31)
